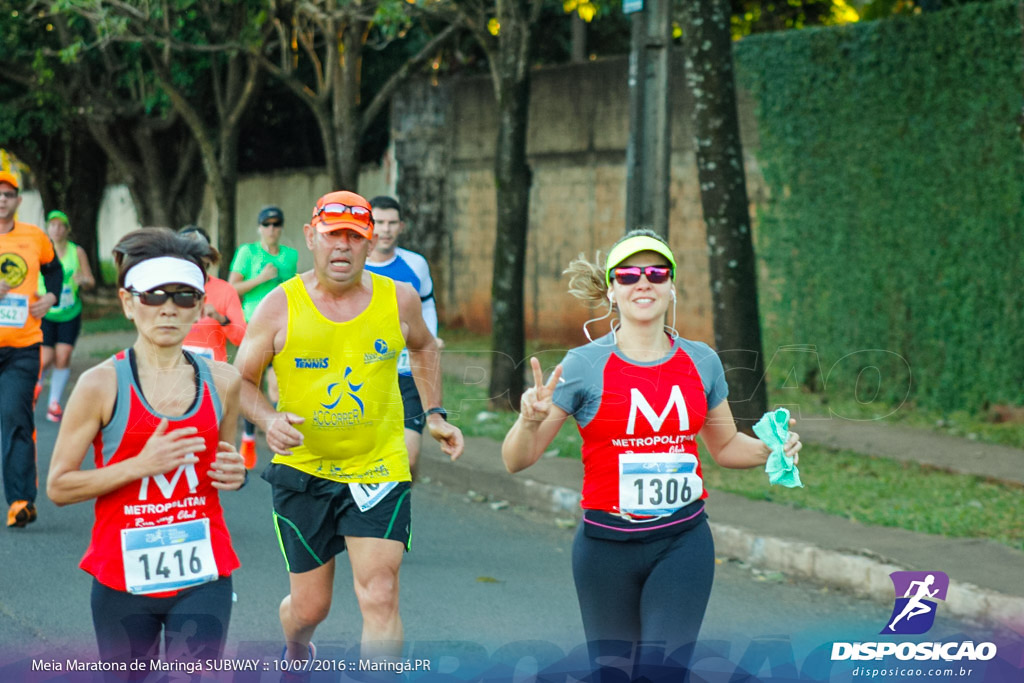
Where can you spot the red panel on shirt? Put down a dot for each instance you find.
(644, 409)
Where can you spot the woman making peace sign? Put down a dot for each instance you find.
(643, 558)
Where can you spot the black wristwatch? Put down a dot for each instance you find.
(438, 411)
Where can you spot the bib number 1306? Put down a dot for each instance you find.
(657, 483)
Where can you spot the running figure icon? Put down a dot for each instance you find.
(917, 594)
(915, 606)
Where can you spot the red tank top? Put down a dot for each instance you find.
(171, 507)
(644, 409)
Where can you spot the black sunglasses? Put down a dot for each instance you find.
(630, 275)
(272, 224)
(158, 297)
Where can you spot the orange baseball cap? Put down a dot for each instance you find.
(343, 210)
(9, 178)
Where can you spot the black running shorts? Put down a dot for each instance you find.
(61, 333)
(313, 516)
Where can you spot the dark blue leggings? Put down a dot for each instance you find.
(194, 624)
(654, 592)
(19, 372)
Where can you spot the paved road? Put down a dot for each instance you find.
(480, 585)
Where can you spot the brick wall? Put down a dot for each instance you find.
(577, 149)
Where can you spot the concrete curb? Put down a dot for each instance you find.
(860, 572)
(498, 485)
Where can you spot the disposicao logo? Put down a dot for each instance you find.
(914, 612)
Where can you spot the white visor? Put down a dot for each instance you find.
(164, 270)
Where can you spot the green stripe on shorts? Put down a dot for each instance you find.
(394, 514)
(277, 526)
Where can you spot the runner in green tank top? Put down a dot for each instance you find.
(63, 323)
(256, 269)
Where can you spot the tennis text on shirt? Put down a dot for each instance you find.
(342, 379)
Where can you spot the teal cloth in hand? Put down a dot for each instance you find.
(773, 429)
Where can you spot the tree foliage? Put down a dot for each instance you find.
(758, 16)
(317, 51)
(200, 56)
(88, 89)
(893, 240)
(43, 116)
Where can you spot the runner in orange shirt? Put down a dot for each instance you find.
(222, 320)
(25, 252)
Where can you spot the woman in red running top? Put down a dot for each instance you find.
(222, 320)
(643, 557)
(161, 423)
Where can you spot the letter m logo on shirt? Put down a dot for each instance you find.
(639, 403)
(167, 487)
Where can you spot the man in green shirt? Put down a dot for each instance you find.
(256, 269)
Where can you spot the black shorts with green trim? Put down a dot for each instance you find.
(314, 515)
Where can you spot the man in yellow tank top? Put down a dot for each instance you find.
(340, 473)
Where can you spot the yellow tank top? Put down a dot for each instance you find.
(343, 379)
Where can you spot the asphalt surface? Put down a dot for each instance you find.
(809, 549)
(986, 578)
(486, 583)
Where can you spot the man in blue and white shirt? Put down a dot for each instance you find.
(391, 260)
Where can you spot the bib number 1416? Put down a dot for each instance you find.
(657, 483)
(168, 557)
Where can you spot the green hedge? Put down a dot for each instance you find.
(893, 241)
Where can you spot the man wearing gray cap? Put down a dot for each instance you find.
(256, 269)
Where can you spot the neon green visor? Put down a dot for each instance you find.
(58, 214)
(634, 245)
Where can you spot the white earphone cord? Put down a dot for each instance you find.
(671, 329)
(611, 306)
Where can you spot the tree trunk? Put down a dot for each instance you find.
(235, 86)
(188, 186)
(325, 122)
(512, 177)
(732, 266)
(87, 165)
(227, 198)
(70, 171)
(421, 131)
(160, 168)
(346, 98)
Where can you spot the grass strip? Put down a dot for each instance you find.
(882, 492)
(872, 491)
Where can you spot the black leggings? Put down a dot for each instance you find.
(652, 591)
(194, 624)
